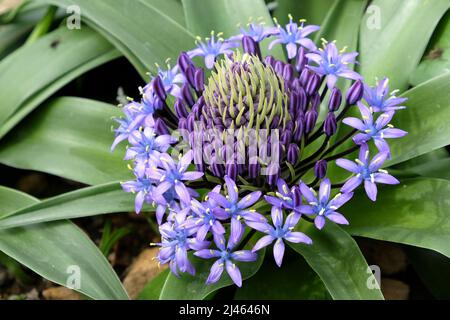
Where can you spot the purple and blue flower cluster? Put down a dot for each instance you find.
(224, 200)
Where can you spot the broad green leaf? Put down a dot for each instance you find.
(10, 35)
(43, 94)
(146, 31)
(61, 52)
(336, 258)
(414, 212)
(394, 35)
(425, 119)
(203, 16)
(436, 169)
(55, 250)
(437, 59)
(342, 23)
(295, 280)
(102, 199)
(152, 290)
(433, 268)
(188, 287)
(68, 137)
(314, 11)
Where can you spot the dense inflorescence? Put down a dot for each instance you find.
(239, 149)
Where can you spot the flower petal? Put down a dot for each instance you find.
(371, 190)
(319, 222)
(244, 255)
(351, 184)
(234, 273)
(324, 190)
(231, 189)
(347, 165)
(215, 272)
(336, 217)
(249, 200)
(278, 251)
(385, 178)
(207, 254)
(298, 237)
(277, 216)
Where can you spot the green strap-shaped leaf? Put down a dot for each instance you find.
(295, 280)
(314, 11)
(394, 35)
(188, 287)
(426, 120)
(336, 258)
(71, 138)
(203, 16)
(10, 35)
(24, 73)
(152, 289)
(59, 251)
(437, 59)
(416, 212)
(102, 199)
(146, 31)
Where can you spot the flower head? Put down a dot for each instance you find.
(366, 171)
(332, 64)
(236, 209)
(279, 232)
(176, 241)
(286, 198)
(377, 131)
(293, 35)
(377, 98)
(226, 259)
(171, 175)
(212, 48)
(322, 206)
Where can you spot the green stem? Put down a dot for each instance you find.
(43, 26)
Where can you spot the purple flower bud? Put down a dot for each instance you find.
(158, 88)
(293, 153)
(301, 59)
(330, 126)
(187, 95)
(190, 76)
(161, 127)
(199, 80)
(302, 99)
(269, 60)
(310, 120)
(304, 77)
(294, 103)
(184, 62)
(335, 100)
(297, 196)
(288, 72)
(273, 174)
(190, 122)
(250, 46)
(320, 169)
(217, 170)
(299, 127)
(182, 123)
(313, 84)
(275, 122)
(279, 66)
(355, 93)
(232, 171)
(315, 101)
(253, 170)
(286, 137)
(180, 109)
(200, 167)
